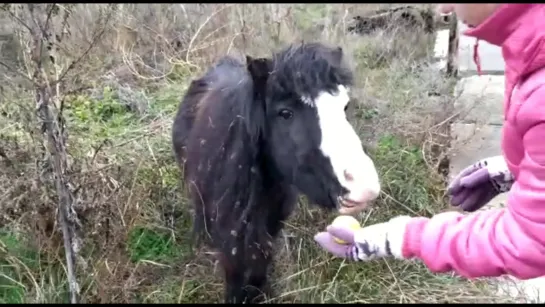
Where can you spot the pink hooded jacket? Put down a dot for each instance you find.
(509, 240)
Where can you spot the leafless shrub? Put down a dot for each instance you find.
(43, 29)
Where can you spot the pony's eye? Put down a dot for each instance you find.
(346, 107)
(285, 113)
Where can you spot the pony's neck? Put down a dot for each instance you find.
(271, 200)
(269, 171)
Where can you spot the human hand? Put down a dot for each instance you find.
(371, 242)
(479, 183)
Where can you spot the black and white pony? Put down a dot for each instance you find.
(250, 137)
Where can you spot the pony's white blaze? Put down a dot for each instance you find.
(353, 168)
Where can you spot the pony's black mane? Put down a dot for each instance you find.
(308, 69)
(223, 149)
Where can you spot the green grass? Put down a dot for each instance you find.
(11, 290)
(20, 266)
(152, 245)
(148, 258)
(405, 175)
(153, 225)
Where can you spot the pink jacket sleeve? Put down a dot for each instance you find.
(498, 241)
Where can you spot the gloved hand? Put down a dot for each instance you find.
(479, 183)
(375, 241)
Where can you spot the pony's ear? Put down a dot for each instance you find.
(259, 69)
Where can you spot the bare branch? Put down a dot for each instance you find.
(85, 53)
(48, 19)
(30, 8)
(19, 20)
(52, 122)
(200, 29)
(16, 71)
(44, 28)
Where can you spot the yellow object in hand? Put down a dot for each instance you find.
(346, 221)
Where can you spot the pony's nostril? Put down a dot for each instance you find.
(349, 177)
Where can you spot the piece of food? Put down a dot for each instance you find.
(346, 220)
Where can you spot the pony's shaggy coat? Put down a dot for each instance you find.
(242, 165)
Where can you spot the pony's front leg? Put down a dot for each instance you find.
(234, 280)
(234, 288)
(257, 288)
(246, 281)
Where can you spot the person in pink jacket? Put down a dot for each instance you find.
(492, 242)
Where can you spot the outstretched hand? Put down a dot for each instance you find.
(326, 239)
(371, 242)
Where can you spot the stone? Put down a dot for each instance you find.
(440, 50)
(473, 143)
(490, 55)
(522, 291)
(480, 99)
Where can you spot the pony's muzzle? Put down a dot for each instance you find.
(349, 205)
(359, 195)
